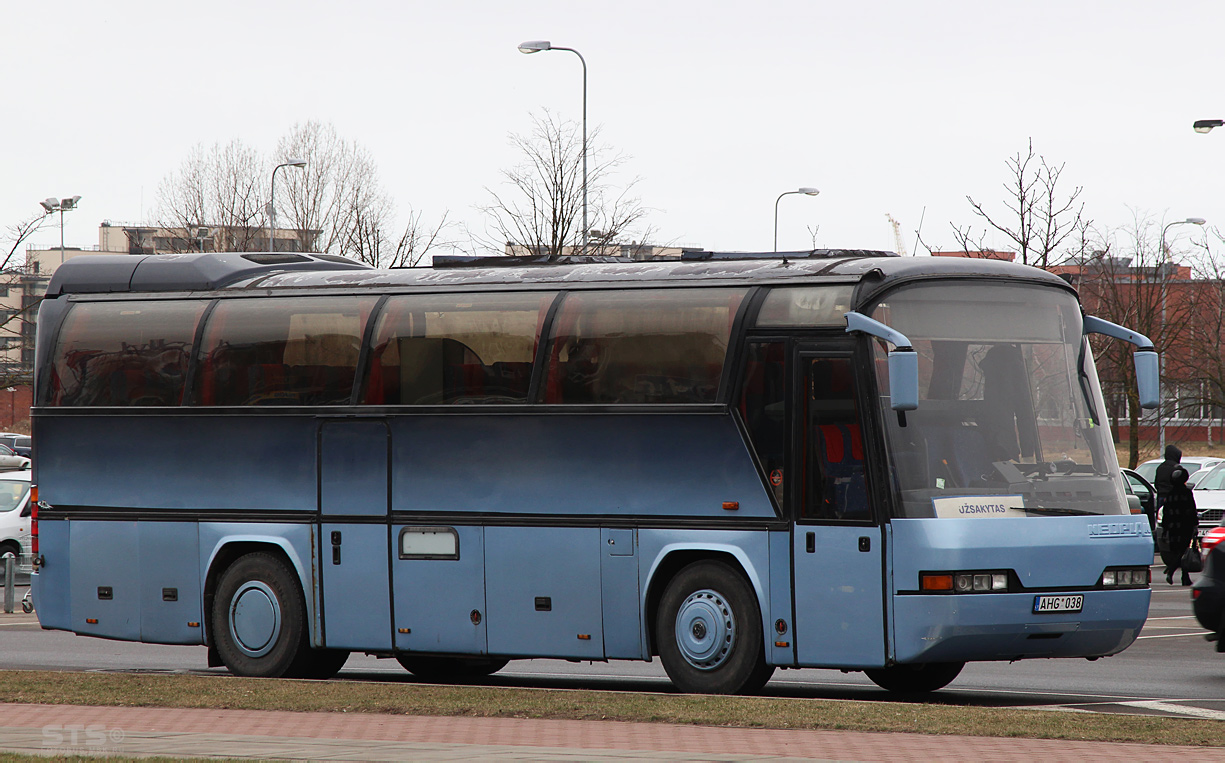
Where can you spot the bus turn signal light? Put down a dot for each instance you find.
(936, 582)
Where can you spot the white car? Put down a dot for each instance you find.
(15, 513)
(1148, 469)
(1209, 492)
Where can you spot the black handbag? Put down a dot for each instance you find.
(1192, 560)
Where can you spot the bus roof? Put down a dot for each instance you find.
(98, 274)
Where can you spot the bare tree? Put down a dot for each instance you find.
(369, 243)
(220, 188)
(334, 204)
(1040, 218)
(1125, 278)
(336, 196)
(1196, 362)
(13, 322)
(539, 210)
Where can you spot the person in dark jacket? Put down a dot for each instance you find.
(1161, 480)
(1181, 521)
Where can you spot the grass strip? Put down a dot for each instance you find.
(227, 692)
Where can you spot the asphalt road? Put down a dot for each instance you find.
(1170, 670)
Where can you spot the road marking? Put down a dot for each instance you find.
(1167, 707)
(1171, 617)
(1201, 634)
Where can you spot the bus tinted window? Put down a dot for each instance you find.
(657, 346)
(123, 353)
(441, 349)
(806, 306)
(294, 351)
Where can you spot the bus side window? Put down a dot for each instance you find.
(658, 346)
(835, 485)
(124, 353)
(455, 349)
(763, 408)
(288, 351)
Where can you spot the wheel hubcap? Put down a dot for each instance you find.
(705, 629)
(255, 618)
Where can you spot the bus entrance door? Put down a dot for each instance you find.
(354, 541)
(836, 547)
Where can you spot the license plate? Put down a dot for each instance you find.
(1043, 604)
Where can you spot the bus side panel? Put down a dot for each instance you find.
(170, 594)
(619, 595)
(51, 583)
(1050, 555)
(435, 598)
(542, 591)
(105, 579)
(780, 601)
(588, 464)
(268, 462)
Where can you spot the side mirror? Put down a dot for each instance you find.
(903, 379)
(903, 361)
(1148, 378)
(1148, 368)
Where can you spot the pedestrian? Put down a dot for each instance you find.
(1162, 479)
(1180, 521)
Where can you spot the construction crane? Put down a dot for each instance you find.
(897, 235)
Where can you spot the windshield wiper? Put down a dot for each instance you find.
(1058, 512)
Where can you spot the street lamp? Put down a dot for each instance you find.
(51, 205)
(1166, 345)
(272, 201)
(202, 235)
(1206, 125)
(805, 190)
(535, 46)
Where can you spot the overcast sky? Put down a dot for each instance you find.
(886, 107)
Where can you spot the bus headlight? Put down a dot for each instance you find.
(1125, 577)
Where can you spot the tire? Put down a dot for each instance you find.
(450, 668)
(259, 618)
(919, 678)
(318, 663)
(708, 630)
(10, 548)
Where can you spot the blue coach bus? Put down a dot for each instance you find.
(734, 463)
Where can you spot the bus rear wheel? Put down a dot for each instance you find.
(709, 634)
(450, 668)
(915, 679)
(259, 618)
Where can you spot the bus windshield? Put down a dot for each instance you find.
(1010, 419)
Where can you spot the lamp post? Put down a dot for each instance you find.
(805, 190)
(272, 201)
(51, 205)
(1165, 344)
(535, 46)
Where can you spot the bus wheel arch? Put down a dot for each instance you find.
(707, 627)
(668, 568)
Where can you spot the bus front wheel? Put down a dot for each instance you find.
(708, 631)
(259, 618)
(915, 679)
